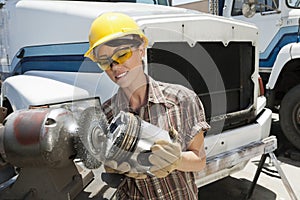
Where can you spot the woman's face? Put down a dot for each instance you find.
(124, 73)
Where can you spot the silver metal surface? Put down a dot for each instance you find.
(130, 138)
(39, 137)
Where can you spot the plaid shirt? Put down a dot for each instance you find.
(168, 105)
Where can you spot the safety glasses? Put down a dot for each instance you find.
(119, 57)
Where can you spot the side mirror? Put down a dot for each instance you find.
(249, 8)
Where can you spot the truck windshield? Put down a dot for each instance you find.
(293, 3)
(261, 6)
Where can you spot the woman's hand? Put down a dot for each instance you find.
(165, 158)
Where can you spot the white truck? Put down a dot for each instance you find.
(279, 65)
(42, 47)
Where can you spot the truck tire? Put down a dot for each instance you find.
(289, 116)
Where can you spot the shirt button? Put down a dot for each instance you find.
(159, 190)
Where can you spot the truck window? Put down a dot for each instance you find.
(237, 7)
(271, 5)
(261, 6)
(159, 2)
(293, 3)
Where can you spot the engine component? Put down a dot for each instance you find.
(130, 138)
(126, 138)
(38, 137)
(40, 143)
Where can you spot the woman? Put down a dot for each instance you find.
(118, 46)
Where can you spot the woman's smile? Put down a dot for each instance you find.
(119, 76)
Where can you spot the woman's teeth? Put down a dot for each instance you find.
(121, 75)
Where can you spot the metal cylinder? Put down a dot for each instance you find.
(38, 137)
(130, 138)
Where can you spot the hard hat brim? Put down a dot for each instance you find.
(90, 53)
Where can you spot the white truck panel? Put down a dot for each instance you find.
(283, 57)
(266, 38)
(53, 87)
(198, 28)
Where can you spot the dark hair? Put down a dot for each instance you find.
(134, 40)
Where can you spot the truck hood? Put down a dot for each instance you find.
(66, 21)
(52, 87)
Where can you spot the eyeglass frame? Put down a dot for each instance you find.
(114, 43)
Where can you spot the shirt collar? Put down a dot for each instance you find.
(155, 95)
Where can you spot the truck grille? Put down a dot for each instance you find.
(219, 74)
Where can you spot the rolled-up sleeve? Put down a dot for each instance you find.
(193, 118)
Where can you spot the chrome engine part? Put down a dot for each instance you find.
(130, 138)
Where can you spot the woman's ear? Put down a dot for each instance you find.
(142, 51)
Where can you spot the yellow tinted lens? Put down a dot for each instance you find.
(104, 64)
(118, 57)
(122, 55)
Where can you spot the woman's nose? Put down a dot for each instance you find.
(114, 65)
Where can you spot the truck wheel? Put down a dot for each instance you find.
(289, 115)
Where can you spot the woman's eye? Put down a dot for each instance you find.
(122, 55)
(104, 61)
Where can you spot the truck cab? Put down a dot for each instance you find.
(46, 69)
(278, 26)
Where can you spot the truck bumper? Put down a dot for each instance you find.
(220, 165)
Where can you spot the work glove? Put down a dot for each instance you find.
(125, 168)
(165, 158)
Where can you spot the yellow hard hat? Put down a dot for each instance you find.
(110, 26)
